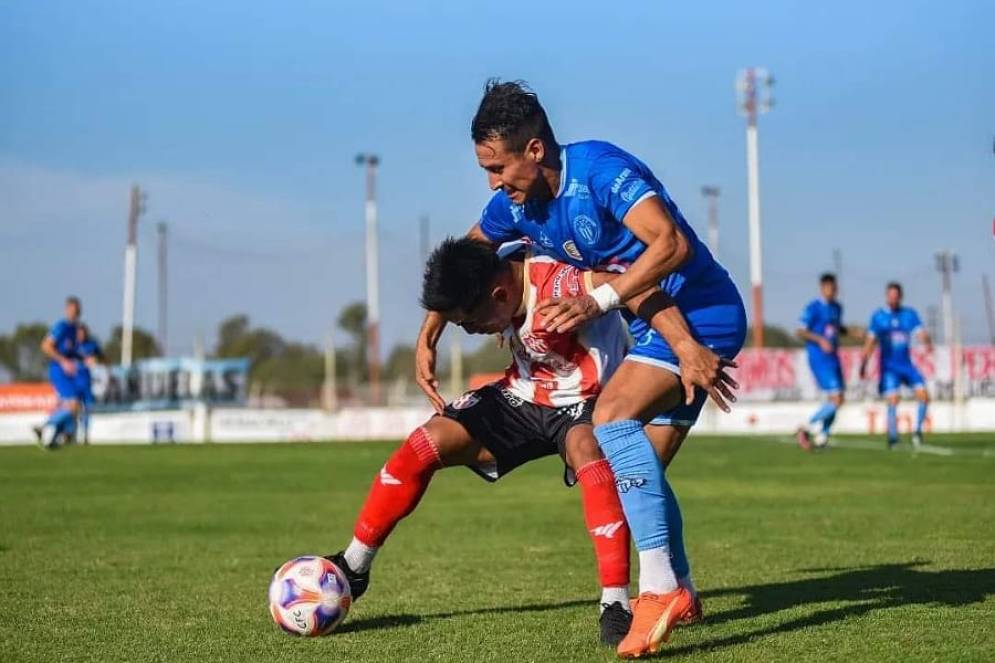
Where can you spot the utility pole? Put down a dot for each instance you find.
(711, 194)
(753, 87)
(135, 210)
(370, 162)
(947, 263)
(932, 322)
(989, 309)
(163, 290)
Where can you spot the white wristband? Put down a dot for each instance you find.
(606, 297)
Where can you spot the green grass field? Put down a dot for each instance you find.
(164, 554)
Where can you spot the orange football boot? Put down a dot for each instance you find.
(653, 617)
(695, 615)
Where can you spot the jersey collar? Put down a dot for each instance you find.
(563, 171)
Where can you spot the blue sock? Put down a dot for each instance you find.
(827, 423)
(675, 525)
(892, 422)
(921, 415)
(828, 409)
(639, 477)
(59, 419)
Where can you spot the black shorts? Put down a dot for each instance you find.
(514, 430)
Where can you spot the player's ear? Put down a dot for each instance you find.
(535, 150)
(499, 294)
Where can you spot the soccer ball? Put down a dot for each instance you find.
(309, 596)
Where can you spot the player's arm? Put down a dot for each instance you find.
(870, 340)
(428, 340)
(659, 309)
(50, 350)
(820, 340)
(925, 338)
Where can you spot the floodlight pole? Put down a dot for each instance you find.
(370, 162)
(753, 102)
(163, 289)
(947, 263)
(711, 194)
(135, 210)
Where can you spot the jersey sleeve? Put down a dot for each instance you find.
(58, 331)
(618, 185)
(808, 317)
(497, 222)
(873, 327)
(915, 322)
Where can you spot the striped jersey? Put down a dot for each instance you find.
(559, 369)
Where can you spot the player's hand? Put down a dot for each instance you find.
(68, 366)
(863, 370)
(425, 376)
(567, 314)
(700, 367)
(825, 345)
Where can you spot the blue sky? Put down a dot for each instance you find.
(242, 119)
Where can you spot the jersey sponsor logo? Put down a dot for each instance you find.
(607, 531)
(587, 229)
(571, 250)
(630, 191)
(545, 240)
(467, 400)
(514, 400)
(625, 484)
(516, 214)
(620, 180)
(577, 190)
(574, 411)
(388, 479)
(572, 277)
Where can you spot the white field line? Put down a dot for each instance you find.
(879, 445)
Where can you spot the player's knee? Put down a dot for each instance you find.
(451, 441)
(608, 409)
(581, 449)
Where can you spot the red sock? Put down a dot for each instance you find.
(605, 522)
(398, 488)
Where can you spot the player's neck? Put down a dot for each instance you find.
(516, 286)
(551, 169)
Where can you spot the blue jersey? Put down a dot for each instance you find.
(64, 333)
(825, 319)
(582, 224)
(893, 330)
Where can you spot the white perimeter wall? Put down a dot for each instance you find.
(252, 425)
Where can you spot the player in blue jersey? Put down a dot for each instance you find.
(821, 328)
(892, 329)
(90, 355)
(593, 205)
(59, 345)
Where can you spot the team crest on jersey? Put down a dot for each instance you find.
(517, 214)
(467, 400)
(630, 191)
(545, 240)
(534, 343)
(571, 250)
(587, 229)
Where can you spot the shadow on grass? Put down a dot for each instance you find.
(395, 621)
(864, 589)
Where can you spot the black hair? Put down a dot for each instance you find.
(827, 277)
(896, 285)
(458, 275)
(511, 112)
(74, 300)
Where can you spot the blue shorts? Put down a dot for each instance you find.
(827, 372)
(64, 385)
(84, 386)
(893, 377)
(717, 320)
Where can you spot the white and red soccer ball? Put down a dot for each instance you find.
(309, 596)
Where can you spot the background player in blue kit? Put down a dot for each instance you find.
(892, 327)
(593, 205)
(59, 345)
(90, 354)
(821, 328)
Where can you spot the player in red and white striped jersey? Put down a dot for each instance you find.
(541, 407)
